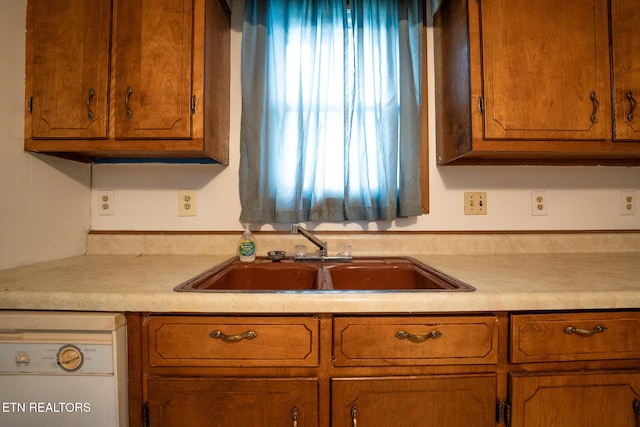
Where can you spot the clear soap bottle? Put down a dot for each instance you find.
(247, 246)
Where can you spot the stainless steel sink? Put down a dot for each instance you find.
(364, 274)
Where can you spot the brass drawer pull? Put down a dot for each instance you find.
(596, 106)
(217, 334)
(402, 335)
(90, 95)
(128, 111)
(632, 108)
(586, 332)
(294, 416)
(354, 416)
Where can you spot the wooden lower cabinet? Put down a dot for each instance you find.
(579, 399)
(237, 402)
(534, 369)
(575, 369)
(452, 401)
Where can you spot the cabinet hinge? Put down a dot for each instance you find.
(145, 414)
(481, 105)
(194, 104)
(503, 412)
(30, 105)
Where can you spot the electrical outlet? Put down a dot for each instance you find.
(539, 203)
(187, 203)
(106, 202)
(628, 203)
(475, 203)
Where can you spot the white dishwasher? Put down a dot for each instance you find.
(63, 369)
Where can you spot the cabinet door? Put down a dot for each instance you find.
(153, 55)
(626, 68)
(239, 402)
(575, 399)
(450, 401)
(67, 68)
(546, 69)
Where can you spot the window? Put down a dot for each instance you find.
(331, 120)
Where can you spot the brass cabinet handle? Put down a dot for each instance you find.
(194, 104)
(90, 114)
(587, 332)
(126, 102)
(632, 109)
(294, 416)
(217, 334)
(354, 416)
(596, 106)
(402, 335)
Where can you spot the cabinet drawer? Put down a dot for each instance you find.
(233, 341)
(382, 341)
(574, 336)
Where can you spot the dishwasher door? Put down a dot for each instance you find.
(63, 369)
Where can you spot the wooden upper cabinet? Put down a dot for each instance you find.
(153, 50)
(626, 68)
(546, 69)
(145, 64)
(520, 82)
(67, 68)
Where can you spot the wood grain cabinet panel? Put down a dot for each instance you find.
(67, 74)
(577, 399)
(233, 341)
(575, 336)
(152, 72)
(452, 401)
(535, 86)
(625, 46)
(246, 402)
(406, 340)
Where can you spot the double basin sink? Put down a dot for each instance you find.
(362, 274)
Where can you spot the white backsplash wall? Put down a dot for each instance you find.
(578, 198)
(44, 211)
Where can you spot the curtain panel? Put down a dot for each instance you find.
(331, 110)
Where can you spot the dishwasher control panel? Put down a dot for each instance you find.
(39, 358)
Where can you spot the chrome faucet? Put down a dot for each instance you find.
(322, 245)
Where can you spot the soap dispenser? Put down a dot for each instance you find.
(247, 246)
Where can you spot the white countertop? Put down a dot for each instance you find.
(503, 282)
